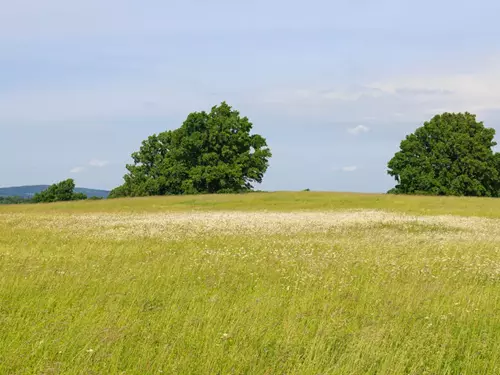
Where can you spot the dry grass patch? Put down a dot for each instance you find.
(179, 225)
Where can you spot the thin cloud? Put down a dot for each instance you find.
(358, 130)
(77, 170)
(98, 163)
(350, 168)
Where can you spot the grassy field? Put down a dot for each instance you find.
(266, 283)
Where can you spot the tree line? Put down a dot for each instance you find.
(215, 152)
(59, 192)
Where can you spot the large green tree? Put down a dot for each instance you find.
(210, 153)
(62, 191)
(452, 154)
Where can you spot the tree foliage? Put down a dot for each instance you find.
(14, 200)
(62, 191)
(452, 154)
(210, 153)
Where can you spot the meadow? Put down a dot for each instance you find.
(263, 283)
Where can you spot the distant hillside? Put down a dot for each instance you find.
(29, 191)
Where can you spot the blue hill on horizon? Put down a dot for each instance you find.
(30, 190)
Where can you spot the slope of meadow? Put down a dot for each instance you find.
(267, 283)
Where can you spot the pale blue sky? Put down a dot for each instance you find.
(334, 86)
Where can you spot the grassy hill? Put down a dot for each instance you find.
(283, 201)
(29, 191)
(270, 283)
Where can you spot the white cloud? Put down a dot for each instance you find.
(77, 170)
(350, 168)
(475, 91)
(411, 96)
(352, 94)
(358, 130)
(319, 95)
(98, 163)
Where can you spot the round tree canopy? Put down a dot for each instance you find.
(210, 153)
(452, 154)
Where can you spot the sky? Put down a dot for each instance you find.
(333, 86)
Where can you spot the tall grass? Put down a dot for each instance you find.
(281, 283)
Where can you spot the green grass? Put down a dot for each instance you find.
(281, 201)
(268, 283)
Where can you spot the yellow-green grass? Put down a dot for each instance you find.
(281, 201)
(268, 283)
